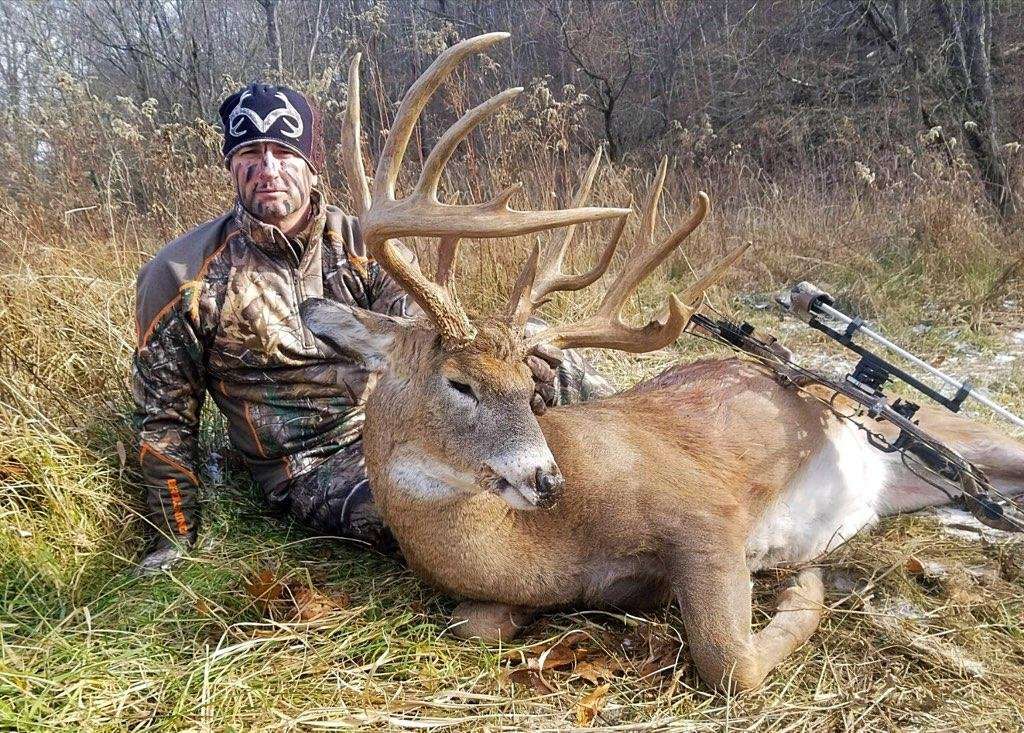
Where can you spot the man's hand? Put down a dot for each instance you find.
(160, 560)
(544, 361)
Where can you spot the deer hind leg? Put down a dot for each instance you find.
(998, 455)
(716, 608)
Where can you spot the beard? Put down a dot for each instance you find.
(295, 195)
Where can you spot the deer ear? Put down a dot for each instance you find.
(355, 333)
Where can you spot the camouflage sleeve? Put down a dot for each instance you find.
(168, 388)
(577, 380)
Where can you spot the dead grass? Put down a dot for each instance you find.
(85, 645)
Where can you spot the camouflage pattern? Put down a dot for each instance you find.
(218, 312)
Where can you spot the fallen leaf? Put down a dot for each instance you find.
(312, 605)
(529, 678)
(265, 588)
(597, 669)
(590, 705)
(926, 568)
(122, 454)
(535, 650)
(559, 656)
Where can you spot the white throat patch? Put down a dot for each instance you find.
(426, 478)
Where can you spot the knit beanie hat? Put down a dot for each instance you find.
(277, 114)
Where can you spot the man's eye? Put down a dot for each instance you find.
(462, 388)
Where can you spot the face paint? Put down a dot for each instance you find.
(273, 183)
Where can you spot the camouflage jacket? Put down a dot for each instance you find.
(218, 311)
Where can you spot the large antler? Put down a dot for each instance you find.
(605, 329)
(382, 217)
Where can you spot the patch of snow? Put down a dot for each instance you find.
(962, 524)
(902, 608)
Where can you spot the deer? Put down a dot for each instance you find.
(677, 489)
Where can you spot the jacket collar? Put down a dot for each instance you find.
(273, 241)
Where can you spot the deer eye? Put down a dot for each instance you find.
(462, 388)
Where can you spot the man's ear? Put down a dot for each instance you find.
(358, 334)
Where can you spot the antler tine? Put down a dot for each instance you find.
(430, 176)
(420, 214)
(546, 276)
(384, 218)
(691, 297)
(551, 258)
(605, 328)
(640, 267)
(351, 144)
(446, 255)
(412, 105)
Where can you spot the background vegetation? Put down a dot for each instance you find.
(861, 145)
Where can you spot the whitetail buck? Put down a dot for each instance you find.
(678, 488)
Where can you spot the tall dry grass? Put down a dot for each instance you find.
(85, 645)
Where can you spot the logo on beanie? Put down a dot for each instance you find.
(290, 117)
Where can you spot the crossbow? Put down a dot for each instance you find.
(939, 465)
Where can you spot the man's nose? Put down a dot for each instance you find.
(270, 166)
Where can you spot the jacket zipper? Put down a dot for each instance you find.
(307, 341)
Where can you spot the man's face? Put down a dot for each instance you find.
(272, 181)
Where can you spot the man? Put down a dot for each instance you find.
(218, 312)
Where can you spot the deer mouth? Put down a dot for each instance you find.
(520, 494)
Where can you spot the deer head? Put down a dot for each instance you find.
(451, 411)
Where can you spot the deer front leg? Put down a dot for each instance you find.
(714, 593)
(489, 621)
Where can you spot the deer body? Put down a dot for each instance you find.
(675, 489)
(640, 466)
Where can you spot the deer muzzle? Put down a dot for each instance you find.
(524, 484)
(549, 485)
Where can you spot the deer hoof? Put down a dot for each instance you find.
(489, 621)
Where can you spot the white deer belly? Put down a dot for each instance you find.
(835, 494)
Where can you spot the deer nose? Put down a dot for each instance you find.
(549, 486)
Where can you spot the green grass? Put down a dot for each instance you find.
(85, 644)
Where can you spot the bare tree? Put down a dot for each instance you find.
(895, 31)
(968, 25)
(275, 60)
(608, 60)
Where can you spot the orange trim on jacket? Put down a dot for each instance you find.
(179, 515)
(252, 429)
(144, 337)
(146, 447)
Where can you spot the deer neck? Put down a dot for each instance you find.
(468, 542)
